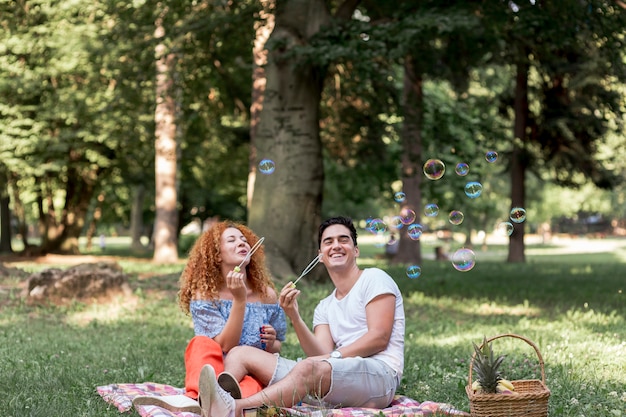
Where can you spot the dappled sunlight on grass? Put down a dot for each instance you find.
(116, 309)
(471, 307)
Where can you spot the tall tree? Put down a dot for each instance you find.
(165, 234)
(286, 204)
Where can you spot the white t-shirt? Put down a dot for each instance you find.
(348, 322)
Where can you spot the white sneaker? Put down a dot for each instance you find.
(214, 401)
(174, 403)
(229, 383)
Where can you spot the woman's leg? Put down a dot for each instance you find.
(203, 350)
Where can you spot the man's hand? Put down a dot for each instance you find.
(288, 300)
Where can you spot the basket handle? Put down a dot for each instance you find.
(543, 372)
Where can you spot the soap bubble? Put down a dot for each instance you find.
(491, 156)
(462, 169)
(473, 189)
(396, 222)
(377, 226)
(267, 166)
(407, 215)
(463, 259)
(413, 271)
(400, 197)
(434, 169)
(456, 217)
(517, 215)
(431, 210)
(415, 231)
(505, 229)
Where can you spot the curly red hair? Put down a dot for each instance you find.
(202, 275)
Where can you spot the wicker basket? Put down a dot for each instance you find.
(530, 400)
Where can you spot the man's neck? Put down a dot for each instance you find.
(344, 279)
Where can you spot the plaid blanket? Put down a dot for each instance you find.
(121, 396)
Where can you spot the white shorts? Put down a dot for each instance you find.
(356, 382)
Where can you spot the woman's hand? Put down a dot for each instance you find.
(268, 337)
(236, 284)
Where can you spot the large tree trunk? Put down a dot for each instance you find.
(287, 203)
(166, 221)
(518, 162)
(263, 30)
(413, 108)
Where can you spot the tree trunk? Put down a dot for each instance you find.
(518, 162)
(136, 216)
(413, 107)
(166, 220)
(93, 224)
(5, 222)
(286, 205)
(19, 211)
(263, 30)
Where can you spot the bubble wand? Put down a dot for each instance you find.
(256, 246)
(308, 269)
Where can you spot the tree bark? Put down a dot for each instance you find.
(518, 162)
(5, 222)
(166, 221)
(413, 107)
(263, 30)
(286, 206)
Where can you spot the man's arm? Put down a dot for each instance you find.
(313, 344)
(380, 313)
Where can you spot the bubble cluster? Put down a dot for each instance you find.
(267, 166)
(463, 259)
(462, 169)
(473, 189)
(413, 271)
(517, 215)
(434, 169)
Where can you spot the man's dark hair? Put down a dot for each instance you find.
(344, 221)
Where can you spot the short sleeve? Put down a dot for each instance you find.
(208, 318)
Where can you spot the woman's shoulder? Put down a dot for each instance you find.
(271, 294)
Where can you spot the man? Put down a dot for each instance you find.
(355, 353)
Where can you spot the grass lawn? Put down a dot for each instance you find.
(570, 302)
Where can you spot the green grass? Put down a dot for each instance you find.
(571, 305)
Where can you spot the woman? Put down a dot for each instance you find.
(229, 306)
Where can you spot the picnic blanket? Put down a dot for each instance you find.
(121, 396)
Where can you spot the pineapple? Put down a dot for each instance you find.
(486, 369)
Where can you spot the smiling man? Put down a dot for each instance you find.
(355, 353)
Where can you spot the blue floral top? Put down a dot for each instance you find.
(209, 318)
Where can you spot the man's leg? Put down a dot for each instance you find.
(310, 377)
